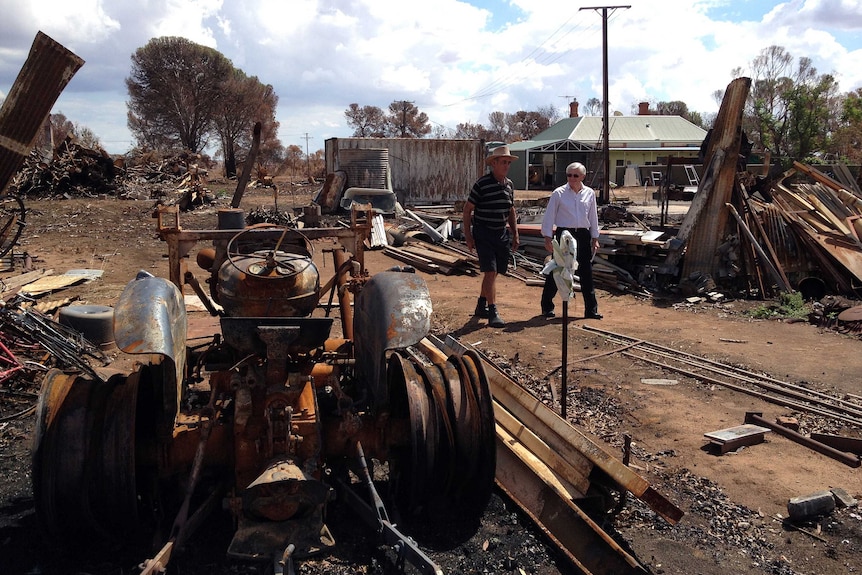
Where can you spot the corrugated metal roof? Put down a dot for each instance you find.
(623, 131)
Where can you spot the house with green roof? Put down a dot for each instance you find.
(639, 148)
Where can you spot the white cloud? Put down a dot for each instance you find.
(458, 60)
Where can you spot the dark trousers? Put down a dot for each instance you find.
(585, 273)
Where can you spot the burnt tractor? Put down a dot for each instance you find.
(270, 416)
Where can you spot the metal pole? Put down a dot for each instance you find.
(606, 152)
(605, 196)
(308, 159)
(565, 346)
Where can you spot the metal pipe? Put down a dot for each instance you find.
(564, 383)
(341, 258)
(845, 458)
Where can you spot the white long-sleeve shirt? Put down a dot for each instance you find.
(570, 209)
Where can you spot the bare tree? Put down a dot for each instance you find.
(498, 127)
(366, 121)
(593, 107)
(406, 121)
(550, 112)
(848, 137)
(245, 101)
(766, 111)
(471, 131)
(87, 138)
(525, 125)
(175, 88)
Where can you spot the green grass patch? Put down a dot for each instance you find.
(787, 306)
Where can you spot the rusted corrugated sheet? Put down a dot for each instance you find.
(423, 171)
(48, 69)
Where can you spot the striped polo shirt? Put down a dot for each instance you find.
(493, 202)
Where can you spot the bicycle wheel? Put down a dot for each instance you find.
(12, 214)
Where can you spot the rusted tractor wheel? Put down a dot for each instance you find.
(84, 478)
(445, 472)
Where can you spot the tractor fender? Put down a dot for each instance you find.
(150, 318)
(392, 311)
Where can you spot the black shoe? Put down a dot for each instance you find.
(481, 310)
(593, 316)
(494, 319)
(549, 314)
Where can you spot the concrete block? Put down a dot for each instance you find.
(807, 506)
(842, 498)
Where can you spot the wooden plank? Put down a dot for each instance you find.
(414, 260)
(436, 257)
(554, 509)
(13, 283)
(574, 471)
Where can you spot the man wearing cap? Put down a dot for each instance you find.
(488, 210)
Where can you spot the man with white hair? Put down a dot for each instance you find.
(572, 208)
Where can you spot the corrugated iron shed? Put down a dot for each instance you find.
(423, 171)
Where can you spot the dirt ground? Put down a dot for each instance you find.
(733, 504)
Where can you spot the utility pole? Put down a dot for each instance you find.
(307, 159)
(404, 104)
(606, 188)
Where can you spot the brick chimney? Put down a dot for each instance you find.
(643, 109)
(573, 109)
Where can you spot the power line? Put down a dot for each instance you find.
(547, 58)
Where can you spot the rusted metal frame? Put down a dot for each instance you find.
(840, 442)
(751, 263)
(809, 394)
(342, 266)
(190, 279)
(180, 242)
(376, 516)
(209, 415)
(846, 458)
(839, 279)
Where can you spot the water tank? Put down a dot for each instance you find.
(365, 167)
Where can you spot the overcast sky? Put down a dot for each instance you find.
(457, 60)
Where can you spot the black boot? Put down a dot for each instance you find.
(494, 319)
(481, 308)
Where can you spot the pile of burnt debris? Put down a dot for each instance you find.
(74, 170)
